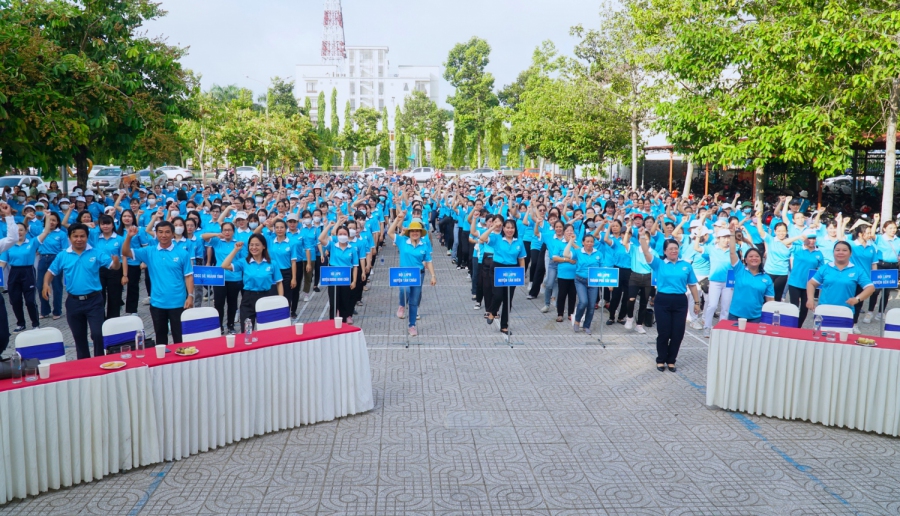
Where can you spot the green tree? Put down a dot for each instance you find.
(474, 96)
(366, 121)
(307, 107)
(401, 158)
(281, 98)
(320, 114)
(335, 121)
(458, 149)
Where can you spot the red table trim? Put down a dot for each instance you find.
(208, 348)
(807, 334)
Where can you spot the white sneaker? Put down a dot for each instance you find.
(697, 325)
(477, 306)
(306, 298)
(706, 333)
(856, 329)
(878, 316)
(629, 323)
(545, 309)
(146, 301)
(640, 329)
(868, 318)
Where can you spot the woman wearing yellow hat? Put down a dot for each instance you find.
(414, 252)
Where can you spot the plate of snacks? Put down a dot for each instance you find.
(186, 352)
(867, 342)
(112, 365)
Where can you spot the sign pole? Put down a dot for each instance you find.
(509, 316)
(599, 299)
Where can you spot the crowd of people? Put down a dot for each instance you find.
(679, 259)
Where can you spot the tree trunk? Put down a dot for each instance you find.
(81, 167)
(687, 179)
(759, 177)
(634, 152)
(890, 152)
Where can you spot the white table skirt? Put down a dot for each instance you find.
(822, 382)
(63, 433)
(207, 403)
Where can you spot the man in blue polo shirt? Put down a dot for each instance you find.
(80, 264)
(168, 265)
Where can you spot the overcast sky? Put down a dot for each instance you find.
(232, 39)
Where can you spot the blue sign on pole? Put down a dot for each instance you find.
(886, 278)
(336, 276)
(603, 277)
(405, 277)
(509, 277)
(729, 279)
(209, 276)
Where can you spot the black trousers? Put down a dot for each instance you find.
(229, 293)
(248, 305)
(500, 295)
(527, 255)
(21, 291)
(286, 277)
(146, 284)
(799, 298)
(4, 326)
(446, 226)
(163, 320)
(485, 288)
(111, 286)
(463, 249)
(638, 284)
(618, 299)
(81, 315)
(671, 312)
(133, 292)
(343, 304)
(537, 271)
(566, 296)
(779, 282)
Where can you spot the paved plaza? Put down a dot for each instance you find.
(466, 424)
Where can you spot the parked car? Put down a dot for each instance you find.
(243, 173)
(373, 171)
(175, 173)
(23, 181)
(420, 174)
(145, 176)
(106, 179)
(480, 173)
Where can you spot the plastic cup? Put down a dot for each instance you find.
(830, 337)
(229, 341)
(31, 374)
(160, 351)
(742, 323)
(762, 329)
(44, 371)
(298, 328)
(844, 336)
(125, 351)
(338, 322)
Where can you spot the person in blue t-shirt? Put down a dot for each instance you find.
(20, 259)
(753, 285)
(843, 282)
(260, 276)
(804, 260)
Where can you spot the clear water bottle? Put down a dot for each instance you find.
(776, 322)
(139, 340)
(248, 331)
(817, 326)
(15, 365)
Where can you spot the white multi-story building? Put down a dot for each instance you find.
(366, 80)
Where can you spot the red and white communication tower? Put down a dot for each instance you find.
(333, 51)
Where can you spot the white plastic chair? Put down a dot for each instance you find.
(272, 312)
(836, 318)
(892, 323)
(121, 330)
(790, 314)
(200, 323)
(45, 344)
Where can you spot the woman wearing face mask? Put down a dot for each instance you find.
(194, 246)
(778, 254)
(362, 252)
(110, 242)
(340, 254)
(586, 258)
(484, 286)
(305, 241)
(222, 245)
(20, 258)
(565, 273)
(318, 223)
(259, 276)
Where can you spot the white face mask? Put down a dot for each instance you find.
(179, 230)
(307, 221)
(262, 219)
(254, 225)
(343, 239)
(317, 219)
(352, 233)
(151, 202)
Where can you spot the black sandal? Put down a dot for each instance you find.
(672, 367)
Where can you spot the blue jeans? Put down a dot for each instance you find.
(587, 297)
(414, 297)
(56, 285)
(404, 292)
(550, 282)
